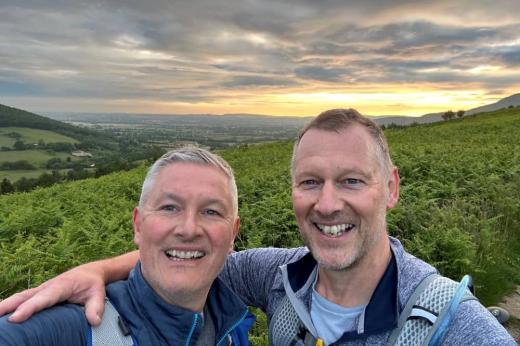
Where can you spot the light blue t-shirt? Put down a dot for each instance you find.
(332, 320)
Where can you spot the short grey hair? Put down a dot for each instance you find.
(189, 154)
(336, 120)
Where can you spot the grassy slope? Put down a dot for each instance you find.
(30, 136)
(460, 194)
(14, 175)
(95, 141)
(459, 208)
(35, 157)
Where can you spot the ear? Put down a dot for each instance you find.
(393, 188)
(136, 219)
(236, 230)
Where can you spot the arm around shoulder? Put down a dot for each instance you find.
(83, 285)
(251, 273)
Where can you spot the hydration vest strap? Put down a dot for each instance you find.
(112, 330)
(430, 310)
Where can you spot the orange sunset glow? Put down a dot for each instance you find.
(269, 57)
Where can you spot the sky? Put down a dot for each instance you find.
(282, 57)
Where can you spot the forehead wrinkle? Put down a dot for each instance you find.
(363, 143)
(314, 169)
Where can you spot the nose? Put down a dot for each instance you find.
(188, 226)
(329, 201)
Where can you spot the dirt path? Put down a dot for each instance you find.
(512, 304)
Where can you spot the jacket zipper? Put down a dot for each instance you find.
(232, 327)
(195, 322)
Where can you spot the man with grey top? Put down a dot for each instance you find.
(349, 286)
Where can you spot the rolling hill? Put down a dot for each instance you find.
(14, 117)
(33, 147)
(513, 100)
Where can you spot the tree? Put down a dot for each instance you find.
(6, 186)
(54, 163)
(19, 145)
(16, 165)
(24, 184)
(460, 113)
(448, 115)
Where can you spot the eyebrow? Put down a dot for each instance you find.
(312, 173)
(206, 201)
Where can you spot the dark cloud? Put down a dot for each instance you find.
(510, 56)
(259, 81)
(325, 74)
(185, 50)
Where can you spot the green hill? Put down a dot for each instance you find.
(459, 208)
(32, 136)
(16, 117)
(34, 147)
(89, 139)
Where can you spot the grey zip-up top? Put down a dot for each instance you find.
(265, 277)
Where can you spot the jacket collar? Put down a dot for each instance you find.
(382, 311)
(147, 313)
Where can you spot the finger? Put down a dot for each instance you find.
(95, 307)
(10, 304)
(36, 303)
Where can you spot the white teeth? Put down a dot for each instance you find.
(184, 254)
(335, 230)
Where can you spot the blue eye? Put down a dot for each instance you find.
(309, 183)
(353, 183)
(212, 212)
(168, 207)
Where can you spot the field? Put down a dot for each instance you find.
(459, 207)
(30, 136)
(35, 157)
(18, 174)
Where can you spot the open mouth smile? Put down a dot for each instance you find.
(178, 255)
(334, 230)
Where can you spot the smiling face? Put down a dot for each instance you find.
(184, 231)
(341, 194)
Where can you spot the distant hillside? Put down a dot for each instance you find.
(38, 151)
(513, 100)
(402, 120)
(10, 116)
(14, 117)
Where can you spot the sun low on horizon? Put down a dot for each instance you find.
(270, 57)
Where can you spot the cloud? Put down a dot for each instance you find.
(326, 74)
(197, 51)
(259, 81)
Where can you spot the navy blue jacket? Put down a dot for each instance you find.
(150, 319)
